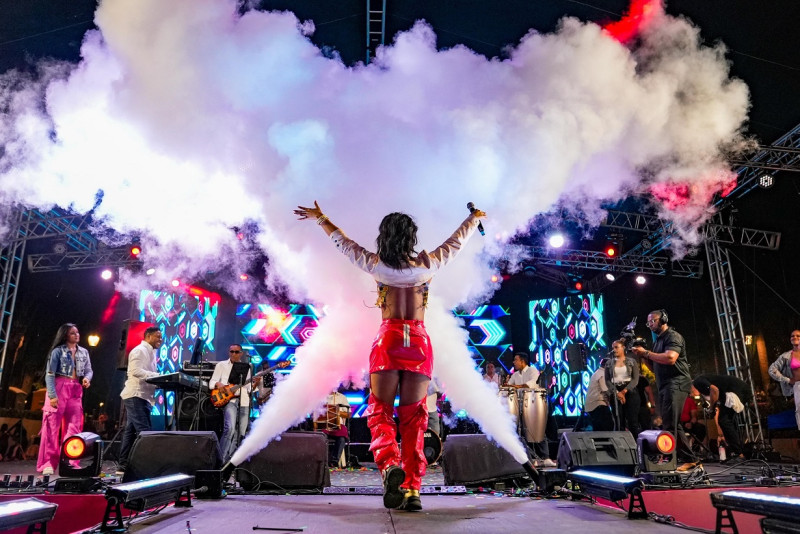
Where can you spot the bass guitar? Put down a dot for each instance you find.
(220, 396)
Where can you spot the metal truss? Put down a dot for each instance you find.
(85, 259)
(587, 259)
(10, 270)
(729, 320)
(783, 155)
(38, 224)
(637, 222)
(748, 237)
(376, 26)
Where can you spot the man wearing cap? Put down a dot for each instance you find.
(728, 395)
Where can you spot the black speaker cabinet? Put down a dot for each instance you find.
(200, 414)
(156, 454)
(608, 452)
(472, 460)
(298, 460)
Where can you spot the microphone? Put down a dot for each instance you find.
(471, 208)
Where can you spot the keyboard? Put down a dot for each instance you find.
(175, 381)
(205, 369)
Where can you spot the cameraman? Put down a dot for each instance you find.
(671, 368)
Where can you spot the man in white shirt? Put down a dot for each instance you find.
(596, 405)
(526, 376)
(491, 375)
(137, 395)
(239, 405)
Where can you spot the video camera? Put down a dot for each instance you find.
(628, 334)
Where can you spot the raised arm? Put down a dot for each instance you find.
(445, 252)
(358, 255)
(316, 214)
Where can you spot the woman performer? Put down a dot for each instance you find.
(69, 369)
(622, 372)
(786, 370)
(401, 355)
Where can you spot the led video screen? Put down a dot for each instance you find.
(182, 316)
(489, 334)
(557, 324)
(273, 334)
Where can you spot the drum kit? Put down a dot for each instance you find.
(528, 406)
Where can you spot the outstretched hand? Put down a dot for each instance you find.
(304, 213)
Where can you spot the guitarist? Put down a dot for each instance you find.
(237, 411)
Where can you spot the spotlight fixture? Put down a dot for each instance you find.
(612, 487)
(106, 274)
(611, 251)
(26, 513)
(646, 244)
(136, 250)
(610, 277)
(640, 279)
(175, 282)
(93, 340)
(149, 272)
(243, 277)
(556, 240)
(578, 286)
(656, 451)
(766, 181)
(495, 278)
(81, 456)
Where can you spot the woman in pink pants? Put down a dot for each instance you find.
(69, 370)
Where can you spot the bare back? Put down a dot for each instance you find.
(404, 303)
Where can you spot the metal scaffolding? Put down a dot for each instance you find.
(77, 248)
(729, 319)
(376, 26)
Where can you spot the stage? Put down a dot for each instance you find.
(482, 510)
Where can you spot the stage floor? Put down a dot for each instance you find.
(483, 511)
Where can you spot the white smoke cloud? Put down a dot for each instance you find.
(192, 119)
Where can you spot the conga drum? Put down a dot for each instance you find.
(534, 413)
(508, 396)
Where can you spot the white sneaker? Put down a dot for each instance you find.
(549, 463)
(47, 470)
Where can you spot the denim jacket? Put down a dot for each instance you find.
(781, 371)
(633, 370)
(60, 364)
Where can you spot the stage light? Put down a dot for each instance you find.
(26, 513)
(578, 286)
(611, 251)
(93, 340)
(773, 507)
(556, 240)
(766, 181)
(106, 274)
(136, 250)
(610, 277)
(176, 282)
(612, 487)
(150, 271)
(640, 279)
(495, 278)
(145, 494)
(243, 277)
(656, 451)
(81, 456)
